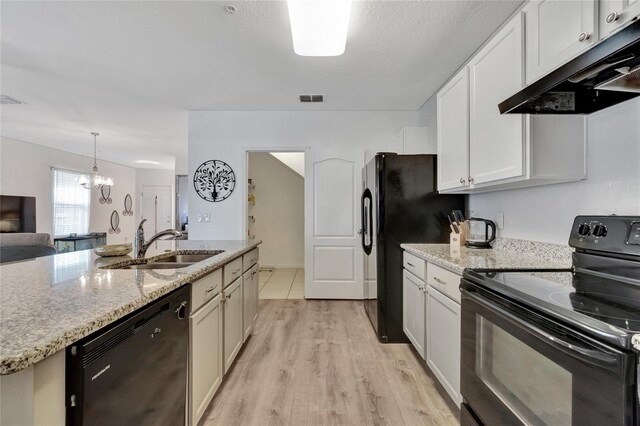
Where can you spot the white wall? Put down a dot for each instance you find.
(227, 135)
(613, 185)
(279, 211)
(25, 169)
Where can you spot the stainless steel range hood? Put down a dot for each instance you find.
(605, 75)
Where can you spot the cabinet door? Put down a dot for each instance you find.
(443, 341)
(615, 14)
(205, 356)
(497, 142)
(233, 332)
(255, 278)
(556, 31)
(413, 310)
(247, 304)
(453, 132)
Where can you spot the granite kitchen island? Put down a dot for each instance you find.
(48, 303)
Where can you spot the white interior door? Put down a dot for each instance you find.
(156, 208)
(333, 256)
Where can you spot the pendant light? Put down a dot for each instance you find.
(96, 180)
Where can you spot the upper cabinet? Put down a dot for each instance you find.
(615, 14)
(415, 140)
(481, 150)
(453, 132)
(557, 31)
(496, 140)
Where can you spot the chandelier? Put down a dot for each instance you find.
(96, 180)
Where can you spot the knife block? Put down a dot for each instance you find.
(461, 238)
(457, 239)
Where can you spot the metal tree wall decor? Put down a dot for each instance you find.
(128, 206)
(105, 190)
(214, 180)
(115, 223)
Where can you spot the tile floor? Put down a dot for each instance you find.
(282, 283)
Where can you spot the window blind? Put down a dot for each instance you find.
(71, 203)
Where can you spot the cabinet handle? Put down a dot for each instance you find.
(210, 289)
(584, 36)
(438, 280)
(462, 181)
(470, 179)
(411, 264)
(235, 272)
(612, 17)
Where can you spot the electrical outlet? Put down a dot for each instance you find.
(500, 220)
(204, 218)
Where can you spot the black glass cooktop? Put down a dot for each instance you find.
(605, 308)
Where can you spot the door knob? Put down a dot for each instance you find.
(612, 17)
(360, 231)
(584, 36)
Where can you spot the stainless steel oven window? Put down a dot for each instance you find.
(537, 390)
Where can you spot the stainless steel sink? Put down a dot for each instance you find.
(187, 258)
(156, 265)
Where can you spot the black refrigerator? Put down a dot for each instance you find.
(400, 204)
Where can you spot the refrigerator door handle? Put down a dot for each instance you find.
(367, 219)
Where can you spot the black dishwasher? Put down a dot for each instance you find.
(132, 372)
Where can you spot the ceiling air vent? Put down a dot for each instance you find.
(311, 98)
(8, 100)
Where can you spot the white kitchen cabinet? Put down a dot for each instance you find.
(453, 132)
(557, 31)
(232, 321)
(415, 140)
(616, 14)
(443, 341)
(505, 151)
(497, 141)
(255, 288)
(249, 297)
(205, 357)
(413, 310)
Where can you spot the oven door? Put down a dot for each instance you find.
(518, 367)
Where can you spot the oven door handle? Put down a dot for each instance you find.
(599, 357)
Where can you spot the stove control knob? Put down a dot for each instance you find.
(584, 229)
(600, 231)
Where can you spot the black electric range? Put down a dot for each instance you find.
(557, 346)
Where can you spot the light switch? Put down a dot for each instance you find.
(204, 218)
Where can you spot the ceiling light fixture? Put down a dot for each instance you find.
(96, 180)
(146, 162)
(319, 27)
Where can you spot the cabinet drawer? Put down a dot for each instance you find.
(232, 270)
(415, 265)
(205, 289)
(249, 259)
(447, 282)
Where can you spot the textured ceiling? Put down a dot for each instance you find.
(132, 70)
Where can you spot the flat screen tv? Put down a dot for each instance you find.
(17, 214)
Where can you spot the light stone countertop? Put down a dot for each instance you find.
(50, 302)
(507, 253)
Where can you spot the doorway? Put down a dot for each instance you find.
(275, 215)
(156, 208)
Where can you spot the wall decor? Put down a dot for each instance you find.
(128, 206)
(214, 180)
(115, 223)
(105, 190)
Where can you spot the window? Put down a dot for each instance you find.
(71, 203)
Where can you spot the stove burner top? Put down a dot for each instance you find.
(618, 311)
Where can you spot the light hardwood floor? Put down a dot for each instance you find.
(319, 363)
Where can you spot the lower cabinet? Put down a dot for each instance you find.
(232, 313)
(431, 320)
(414, 292)
(205, 367)
(443, 341)
(250, 288)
